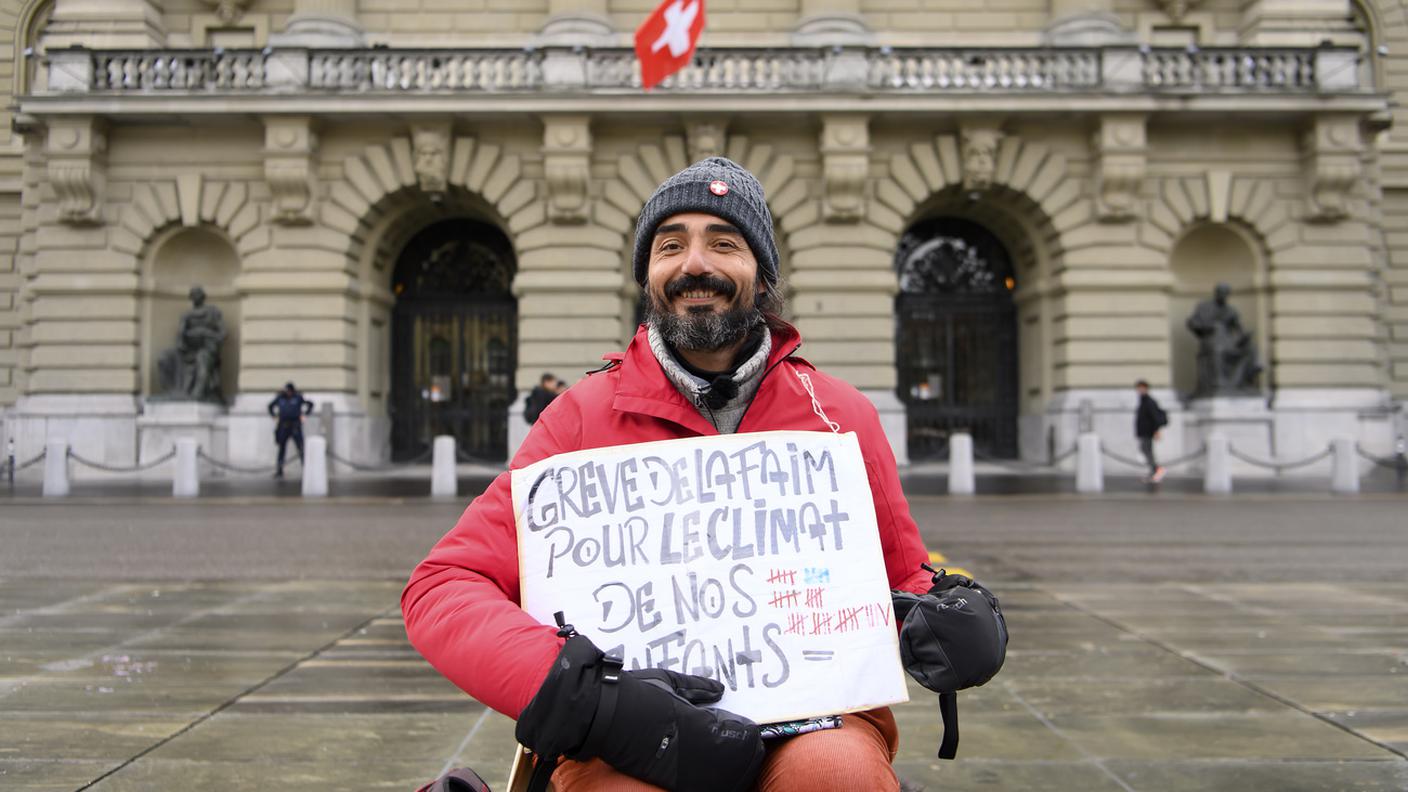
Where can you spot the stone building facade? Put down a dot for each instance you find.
(992, 215)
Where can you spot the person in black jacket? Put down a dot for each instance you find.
(1149, 418)
(289, 408)
(541, 396)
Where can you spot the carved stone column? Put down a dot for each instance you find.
(321, 23)
(1333, 146)
(76, 150)
(845, 153)
(289, 147)
(1121, 152)
(567, 149)
(105, 24)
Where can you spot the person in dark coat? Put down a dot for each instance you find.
(1149, 418)
(541, 396)
(289, 408)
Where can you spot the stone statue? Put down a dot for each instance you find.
(191, 369)
(1227, 359)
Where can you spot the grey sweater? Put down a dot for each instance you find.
(748, 376)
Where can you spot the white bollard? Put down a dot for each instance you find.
(1090, 468)
(1344, 478)
(443, 483)
(1217, 468)
(315, 467)
(56, 469)
(960, 464)
(185, 471)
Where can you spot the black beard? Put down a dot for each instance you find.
(701, 329)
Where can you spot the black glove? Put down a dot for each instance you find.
(953, 637)
(647, 724)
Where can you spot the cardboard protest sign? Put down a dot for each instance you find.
(751, 558)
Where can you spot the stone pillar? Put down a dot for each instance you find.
(571, 283)
(1344, 480)
(185, 469)
(1090, 467)
(321, 23)
(443, 481)
(55, 469)
(314, 473)
(80, 301)
(106, 24)
(1325, 351)
(961, 480)
(1217, 468)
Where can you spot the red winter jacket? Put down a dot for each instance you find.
(461, 604)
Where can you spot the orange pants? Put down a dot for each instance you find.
(855, 756)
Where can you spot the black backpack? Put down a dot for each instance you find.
(953, 637)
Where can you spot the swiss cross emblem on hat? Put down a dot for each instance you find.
(718, 187)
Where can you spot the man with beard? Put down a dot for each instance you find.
(712, 357)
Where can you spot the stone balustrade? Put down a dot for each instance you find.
(1003, 70)
(724, 71)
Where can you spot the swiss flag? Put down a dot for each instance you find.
(665, 40)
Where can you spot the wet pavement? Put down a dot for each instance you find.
(1162, 643)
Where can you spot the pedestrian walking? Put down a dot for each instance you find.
(289, 408)
(711, 346)
(541, 396)
(1149, 418)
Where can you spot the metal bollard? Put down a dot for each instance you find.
(960, 464)
(10, 452)
(1344, 473)
(443, 482)
(185, 473)
(1090, 468)
(315, 467)
(56, 469)
(1217, 469)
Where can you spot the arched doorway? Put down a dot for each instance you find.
(453, 340)
(957, 337)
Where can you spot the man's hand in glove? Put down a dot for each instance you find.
(649, 724)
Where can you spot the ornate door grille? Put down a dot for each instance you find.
(454, 333)
(957, 338)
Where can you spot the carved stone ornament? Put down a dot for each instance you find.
(845, 152)
(1176, 9)
(567, 147)
(430, 153)
(228, 11)
(1121, 157)
(705, 139)
(289, 145)
(77, 169)
(1332, 165)
(979, 151)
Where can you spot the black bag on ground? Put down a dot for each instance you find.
(648, 724)
(951, 638)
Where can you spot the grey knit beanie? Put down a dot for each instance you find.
(719, 187)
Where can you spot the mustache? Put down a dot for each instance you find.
(686, 283)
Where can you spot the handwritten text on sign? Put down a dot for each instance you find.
(753, 559)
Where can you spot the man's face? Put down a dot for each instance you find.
(702, 282)
(1142, 389)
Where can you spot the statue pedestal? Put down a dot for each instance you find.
(162, 422)
(1245, 421)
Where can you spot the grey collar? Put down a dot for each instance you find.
(749, 376)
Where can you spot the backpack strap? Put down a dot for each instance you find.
(948, 709)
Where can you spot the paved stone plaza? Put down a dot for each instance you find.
(1161, 644)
